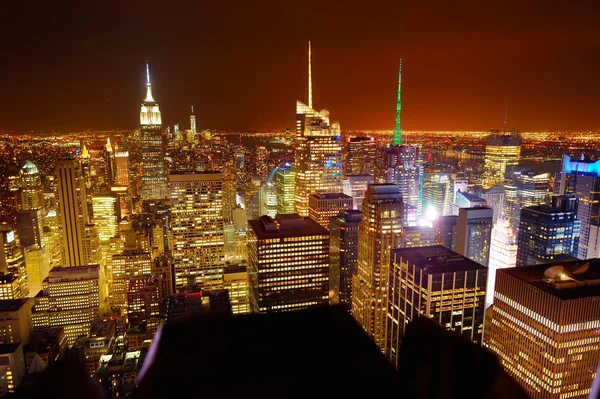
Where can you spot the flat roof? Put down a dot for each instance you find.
(331, 196)
(310, 228)
(573, 282)
(11, 305)
(436, 259)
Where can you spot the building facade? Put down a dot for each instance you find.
(474, 233)
(343, 256)
(322, 207)
(288, 264)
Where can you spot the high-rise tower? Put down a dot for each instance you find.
(398, 130)
(154, 177)
(193, 121)
(318, 156)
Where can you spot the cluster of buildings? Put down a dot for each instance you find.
(117, 241)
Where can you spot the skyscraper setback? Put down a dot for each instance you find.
(154, 172)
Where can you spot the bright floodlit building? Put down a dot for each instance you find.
(356, 186)
(288, 264)
(360, 156)
(237, 283)
(503, 254)
(105, 217)
(545, 324)
(154, 172)
(285, 182)
(404, 167)
(524, 187)
(437, 283)
(197, 228)
(501, 150)
(32, 192)
(379, 231)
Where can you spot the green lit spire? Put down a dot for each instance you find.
(398, 131)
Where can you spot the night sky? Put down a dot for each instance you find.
(242, 64)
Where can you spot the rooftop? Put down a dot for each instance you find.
(331, 196)
(9, 348)
(436, 259)
(12, 305)
(565, 280)
(308, 228)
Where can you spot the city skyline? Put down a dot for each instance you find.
(461, 64)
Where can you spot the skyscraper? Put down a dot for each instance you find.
(360, 156)
(343, 256)
(318, 153)
(197, 228)
(105, 217)
(582, 178)
(524, 187)
(322, 207)
(404, 167)
(501, 150)
(154, 171)
(71, 298)
(435, 190)
(78, 247)
(473, 233)
(126, 265)
(356, 187)
(288, 264)
(445, 231)
(437, 283)
(548, 234)
(32, 192)
(286, 185)
(237, 283)
(193, 121)
(545, 325)
(122, 168)
(380, 230)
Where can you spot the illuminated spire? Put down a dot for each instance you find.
(108, 146)
(85, 153)
(149, 98)
(398, 131)
(309, 78)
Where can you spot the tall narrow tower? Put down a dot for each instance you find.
(154, 178)
(193, 121)
(398, 130)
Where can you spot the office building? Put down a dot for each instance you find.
(582, 178)
(105, 217)
(122, 168)
(356, 187)
(12, 264)
(545, 325)
(503, 254)
(285, 183)
(343, 256)
(495, 198)
(30, 228)
(418, 236)
(437, 283)
(71, 298)
(322, 207)
(318, 153)
(379, 231)
(445, 231)
(12, 368)
(501, 150)
(474, 233)
(288, 264)
(464, 199)
(15, 320)
(126, 265)
(404, 167)
(99, 342)
(524, 187)
(197, 228)
(361, 154)
(154, 172)
(11, 287)
(454, 188)
(143, 298)
(548, 234)
(237, 283)
(37, 264)
(268, 198)
(435, 190)
(197, 304)
(31, 191)
(78, 248)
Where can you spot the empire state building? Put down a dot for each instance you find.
(154, 174)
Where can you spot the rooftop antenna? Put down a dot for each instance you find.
(398, 130)
(505, 116)
(309, 78)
